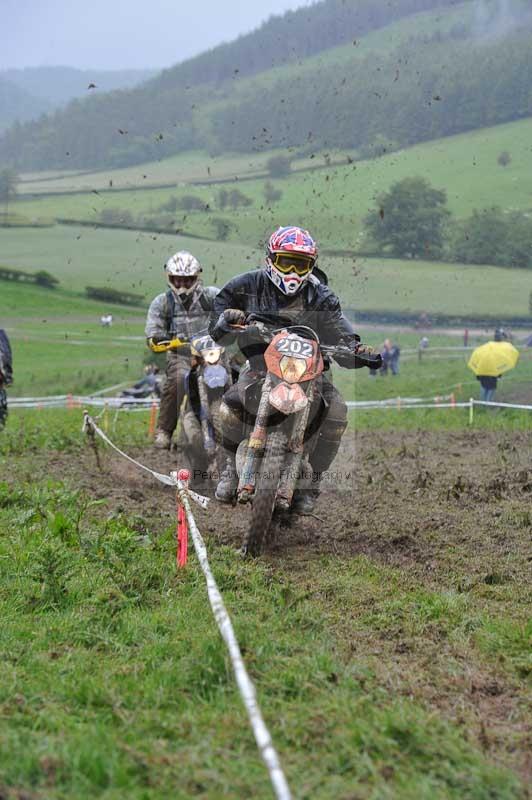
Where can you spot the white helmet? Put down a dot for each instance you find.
(182, 271)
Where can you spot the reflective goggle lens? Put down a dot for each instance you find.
(288, 262)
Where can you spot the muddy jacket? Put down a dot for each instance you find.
(168, 317)
(6, 361)
(315, 305)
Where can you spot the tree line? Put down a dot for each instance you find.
(412, 220)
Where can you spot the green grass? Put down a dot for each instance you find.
(116, 682)
(333, 202)
(59, 345)
(131, 260)
(122, 259)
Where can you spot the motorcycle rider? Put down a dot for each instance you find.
(289, 287)
(180, 312)
(6, 374)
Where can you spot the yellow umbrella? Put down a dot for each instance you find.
(493, 358)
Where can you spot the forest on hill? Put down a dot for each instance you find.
(18, 104)
(27, 93)
(430, 85)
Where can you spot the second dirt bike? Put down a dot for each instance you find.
(208, 379)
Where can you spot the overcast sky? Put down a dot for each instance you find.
(116, 34)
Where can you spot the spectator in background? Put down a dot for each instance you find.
(394, 359)
(6, 374)
(488, 383)
(386, 356)
(390, 358)
(466, 337)
(422, 346)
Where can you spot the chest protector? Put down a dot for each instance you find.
(183, 322)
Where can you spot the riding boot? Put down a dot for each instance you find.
(228, 483)
(306, 496)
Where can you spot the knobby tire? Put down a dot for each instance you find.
(265, 493)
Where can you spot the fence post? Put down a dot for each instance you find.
(471, 409)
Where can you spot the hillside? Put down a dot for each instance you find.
(134, 262)
(331, 200)
(16, 103)
(57, 85)
(214, 101)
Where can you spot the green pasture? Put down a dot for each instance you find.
(333, 201)
(117, 684)
(59, 347)
(81, 256)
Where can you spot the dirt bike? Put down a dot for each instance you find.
(270, 460)
(208, 379)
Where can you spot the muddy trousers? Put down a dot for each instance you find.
(173, 391)
(327, 437)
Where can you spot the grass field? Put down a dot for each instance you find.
(389, 648)
(332, 202)
(60, 347)
(126, 259)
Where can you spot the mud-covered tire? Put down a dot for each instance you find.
(265, 492)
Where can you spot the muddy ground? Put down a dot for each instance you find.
(404, 498)
(449, 511)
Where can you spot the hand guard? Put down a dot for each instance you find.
(367, 356)
(365, 350)
(234, 316)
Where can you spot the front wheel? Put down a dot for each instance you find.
(265, 492)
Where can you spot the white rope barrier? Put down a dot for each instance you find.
(244, 683)
(72, 401)
(142, 404)
(502, 405)
(399, 406)
(246, 688)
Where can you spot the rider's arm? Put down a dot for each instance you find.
(156, 321)
(336, 329)
(228, 297)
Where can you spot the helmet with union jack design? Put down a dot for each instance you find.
(291, 256)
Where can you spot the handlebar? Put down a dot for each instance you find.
(166, 344)
(267, 329)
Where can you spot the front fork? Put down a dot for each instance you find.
(257, 442)
(294, 456)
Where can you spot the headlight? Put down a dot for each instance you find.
(212, 356)
(292, 369)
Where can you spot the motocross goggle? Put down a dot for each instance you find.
(292, 262)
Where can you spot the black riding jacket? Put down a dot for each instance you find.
(315, 305)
